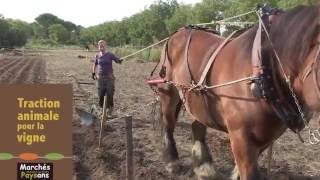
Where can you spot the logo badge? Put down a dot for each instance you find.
(35, 171)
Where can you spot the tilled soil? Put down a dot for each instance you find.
(291, 158)
(27, 69)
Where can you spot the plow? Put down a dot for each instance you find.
(89, 115)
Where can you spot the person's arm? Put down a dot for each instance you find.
(116, 59)
(94, 66)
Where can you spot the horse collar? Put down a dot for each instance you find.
(264, 86)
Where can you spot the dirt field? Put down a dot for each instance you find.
(291, 159)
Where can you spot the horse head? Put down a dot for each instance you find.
(295, 36)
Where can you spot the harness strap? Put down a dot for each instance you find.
(311, 68)
(190, 27)
(186, 55)
(315, 75)
(307, 73)
(286, 113)
(213, 57)
(256, 52)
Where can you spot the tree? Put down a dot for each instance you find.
(157, 15)
(16, 37)
(292, 3)
(183, 16)
(68, 25)
(152, 24)
(58, 33)
(75, 35)
(47, 20)
(237, 7)
(4, 30)
(38, 31)
(22, 26)
(13, 33)
(139, 29)
(86, 37)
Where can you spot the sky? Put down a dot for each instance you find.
(81, 12)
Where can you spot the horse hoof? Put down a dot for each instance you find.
(235, 174)
(205, 172)
(173, 167)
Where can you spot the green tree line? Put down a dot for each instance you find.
(152, 24)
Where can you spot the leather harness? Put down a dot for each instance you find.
(284, 108)
(264, 80)
(266, 87)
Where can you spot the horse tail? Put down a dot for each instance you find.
(156, 105)
(155, 115)
(162, 60)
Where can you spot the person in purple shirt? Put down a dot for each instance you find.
(103, 72)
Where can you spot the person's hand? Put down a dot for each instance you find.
(120, 61)
(93, 76)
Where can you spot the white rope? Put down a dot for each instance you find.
(237, 23)
(226, 19)
(200, 87)
(132, 54)
(214, 22)
(230, 83)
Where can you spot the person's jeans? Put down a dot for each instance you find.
(106, 87)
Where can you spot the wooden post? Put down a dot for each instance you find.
(269, 160)
(104, 115)
(129, 146)
(104, 108)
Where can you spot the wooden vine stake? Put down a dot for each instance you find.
(104, 116)
(129, 146)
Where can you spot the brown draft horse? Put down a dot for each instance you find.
(252, 125)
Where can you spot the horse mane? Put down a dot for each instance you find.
(292, 35)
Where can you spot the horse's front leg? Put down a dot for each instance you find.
(246, 154)
(201, 158)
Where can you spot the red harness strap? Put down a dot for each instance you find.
(154, 82)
